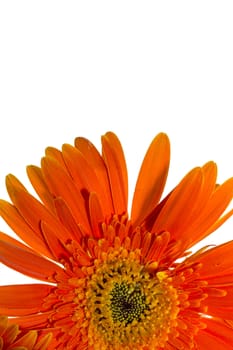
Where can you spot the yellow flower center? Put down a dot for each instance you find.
(128, 307)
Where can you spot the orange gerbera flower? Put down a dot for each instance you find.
(12, 338)
(113, 282)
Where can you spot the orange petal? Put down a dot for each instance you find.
(13, 218)
(158, 246)
(84, 176)
(61, 185)
(26, 341)
(209, 175)
(117, 172)
(216, 261)
(54, 243)
(136, 240)
(180, 204)
(35, 176)
(224, 279)
(212, 211)
(217, 335)
(3, 324)
(96, 163)
(79, 169)
(10, 334)
(34, 321)
(221, 312)
(44, 342)
(205, 341)
(152, 178)
(34, 212)
(12, 181)
(146, 243)
(219, 222)
(55, 154)
(96, 215)
(23, 299)
(9, 239)
(27, 262)
(66, 218)
(220, 306)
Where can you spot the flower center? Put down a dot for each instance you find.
(128, 302)
(127, 305)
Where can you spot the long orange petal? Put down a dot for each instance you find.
(10, 334)
(44, 342)
(217, 335)
(67, 219)
(221, 312)
(206, 341)
(84, 176)
(209, 175)
(12, 181)
(224, 279)
(220, 306)
(55, 244)
(27, 262)
(11, 240)
(3, 324)
(219, 222)
(158, 246)
(34, 212)
(211, 213)
(13, 218)
(96, 163)
(180, 204)
(79, 169)
(96, 214)
(61, 185)
(34, 321)
(216, 261)
(55, 154)
(36, 178)
(23, 299)
(117, 172)
(27, 341)
(152, 178)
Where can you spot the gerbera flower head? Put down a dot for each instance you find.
(13, 338)
(108, 280)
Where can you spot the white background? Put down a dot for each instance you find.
(81, 68)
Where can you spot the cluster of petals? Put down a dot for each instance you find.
(13, 338)
(77, 239)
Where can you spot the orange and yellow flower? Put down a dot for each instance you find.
(12, 338)
(110, 280)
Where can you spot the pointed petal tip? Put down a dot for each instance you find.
(109, 133)
(162, 136)
(109, 136)
(152, 178)
(113, 156)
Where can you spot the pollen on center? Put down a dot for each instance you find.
(127, 306)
